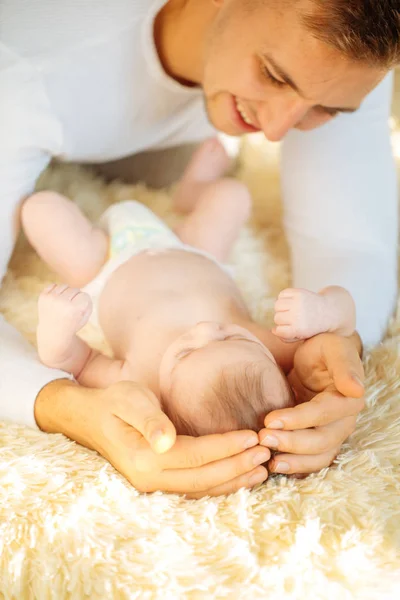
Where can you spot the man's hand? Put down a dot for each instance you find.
(327, 379)
(126, 425)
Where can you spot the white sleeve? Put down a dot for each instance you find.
(340, 206)
(23, 156)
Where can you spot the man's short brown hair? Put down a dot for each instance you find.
(362, 30)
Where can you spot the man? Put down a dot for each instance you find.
(97, 80)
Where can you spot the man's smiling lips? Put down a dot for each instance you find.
(242, 112)
(242, 118)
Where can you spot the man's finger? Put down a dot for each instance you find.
(289, 464)
(193, 452)
(345, 366)
(139, 407)
(324, 408)
(249, 480)
(309, 441)
(213, 474)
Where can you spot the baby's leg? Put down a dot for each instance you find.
(209, 163)
(64, 238)
(215, 222)
(63, 311)
(301, 314)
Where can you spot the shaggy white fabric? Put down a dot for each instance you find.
(71, 527)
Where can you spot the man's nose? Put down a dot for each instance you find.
(277, 116)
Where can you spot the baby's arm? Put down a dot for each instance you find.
(63, 311)
(301, 314)
(100, 371)
(341, 310)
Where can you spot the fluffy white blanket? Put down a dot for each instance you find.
(71, 527)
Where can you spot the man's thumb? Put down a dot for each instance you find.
(140, 408)
(347, 371)
(348, 382)
(162, 438)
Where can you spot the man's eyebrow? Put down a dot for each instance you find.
(287, 79)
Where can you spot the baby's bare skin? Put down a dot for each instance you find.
(155, 297)
(165, 313)
(157, 301)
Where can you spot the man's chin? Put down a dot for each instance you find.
(218, 119)
(231, 132)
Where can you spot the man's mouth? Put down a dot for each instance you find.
(242, 112)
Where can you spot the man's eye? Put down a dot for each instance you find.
(327, 111)
(268, 75)
(332, 112)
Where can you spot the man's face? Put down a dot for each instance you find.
(247, 53)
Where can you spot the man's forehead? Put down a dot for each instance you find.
(324, 78)
(315, 68)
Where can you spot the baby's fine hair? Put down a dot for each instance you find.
(239, 399)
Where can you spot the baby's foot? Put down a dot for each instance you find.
(209, 163)
(63, 311)
(300, 314)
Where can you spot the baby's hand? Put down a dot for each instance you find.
(299, 315)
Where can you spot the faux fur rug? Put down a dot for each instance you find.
(72, 527)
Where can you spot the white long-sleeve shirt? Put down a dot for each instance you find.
(81, 80)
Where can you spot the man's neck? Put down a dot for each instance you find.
(179, 33)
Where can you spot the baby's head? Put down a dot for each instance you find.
(217, 378)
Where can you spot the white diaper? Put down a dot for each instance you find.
(133, 228)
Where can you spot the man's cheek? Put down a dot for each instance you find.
(312, 122)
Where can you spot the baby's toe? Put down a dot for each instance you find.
(58, 290)
(81, 301)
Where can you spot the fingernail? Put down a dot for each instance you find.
(281, 467)
(260, 458)
(250, 442)
(156, 435)
(275, 425)
(270, 441)
(257, 478)
(160, 441)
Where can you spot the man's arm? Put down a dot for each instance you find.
(340, 201)
(23, 121)
(22, 375)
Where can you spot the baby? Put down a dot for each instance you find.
(171, 312)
